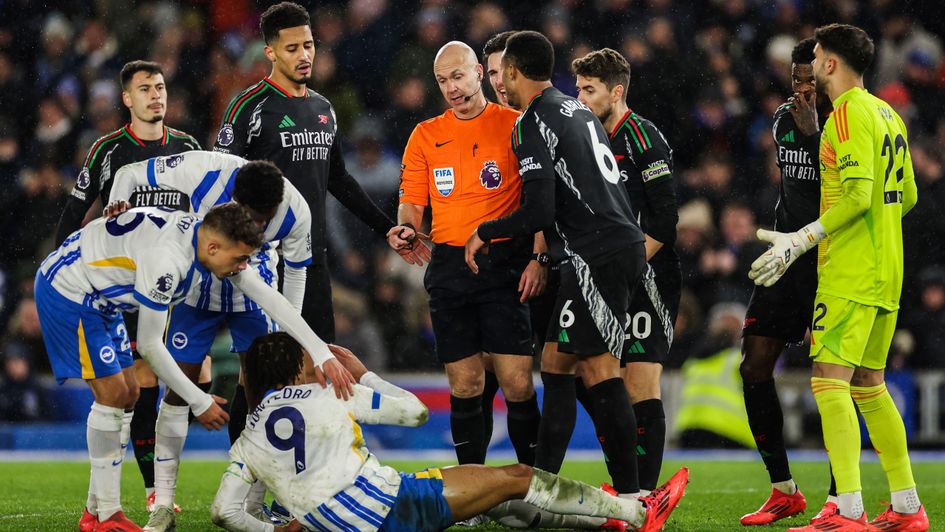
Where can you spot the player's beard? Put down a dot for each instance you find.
(297, 78)
(606, 114)
(512, 99)
(155, 119)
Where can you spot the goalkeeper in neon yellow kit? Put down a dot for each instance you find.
(867, 186)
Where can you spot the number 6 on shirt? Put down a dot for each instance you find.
(604, 157)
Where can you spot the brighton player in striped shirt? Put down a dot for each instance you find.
(200, 180)
(144, 93)
(307, 446)
(145, 260)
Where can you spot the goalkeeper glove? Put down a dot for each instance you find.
(785, 249)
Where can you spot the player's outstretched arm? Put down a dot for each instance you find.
(380, 402)
(151, 324)
(536, 213)
(282, 312)
(126, 179)
(227, 510)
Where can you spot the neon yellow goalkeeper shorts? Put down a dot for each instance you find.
(850, 334)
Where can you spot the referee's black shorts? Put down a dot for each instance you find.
(479, 313)
(785, 310)
(590, 315)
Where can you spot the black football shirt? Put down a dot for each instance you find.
(107, 155)
(559, 138)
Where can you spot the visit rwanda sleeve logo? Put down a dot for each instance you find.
(490, 176)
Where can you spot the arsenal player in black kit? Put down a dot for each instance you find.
(571, 188)
(782, 313)
(645, 161)
(144, 93)
(281, 120)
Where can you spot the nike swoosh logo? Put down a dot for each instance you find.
(440, 144)
(460, 443)
(159, 459)
(581, 500)
(532, 445)
(117, 462)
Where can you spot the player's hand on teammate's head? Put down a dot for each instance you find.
(349, 360)
(341, 378)
(115, 208)
(214, 417)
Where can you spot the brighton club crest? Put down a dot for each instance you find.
(490, 177)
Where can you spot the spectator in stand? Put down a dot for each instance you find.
(24, 336)
(927, 321)
(727, 263)
(22, 399)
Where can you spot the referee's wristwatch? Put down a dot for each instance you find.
(543, 259)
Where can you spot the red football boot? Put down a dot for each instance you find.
(88, 522)
(117, 523)
(829, 509)
(778, 506)
(835, 523)
(661, 502)
(894, 521)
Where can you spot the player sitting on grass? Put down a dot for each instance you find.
(306, 445)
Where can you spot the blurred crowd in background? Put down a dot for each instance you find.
(709, 74)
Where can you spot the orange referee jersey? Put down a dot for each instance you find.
(464, 169)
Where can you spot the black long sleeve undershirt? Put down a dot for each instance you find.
(71, 219)
(536, 213)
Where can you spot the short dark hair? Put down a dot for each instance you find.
(259, 185)
(233, 221)
(803, 52)
(496, 44)
(281, 16)
(133, 67)
(272, 360)
(849, 42)
(531, 53)
(606, 64)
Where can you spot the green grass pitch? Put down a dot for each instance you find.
(49, 496)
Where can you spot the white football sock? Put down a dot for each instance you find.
(787, 486)
(90, 503)
(520, 514)
(103, 436)
(170, 433)
(851, 504)
(564, 496)
(834, 499)
(905, 501)
(125, 432)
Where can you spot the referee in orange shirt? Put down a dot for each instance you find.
(461, 164)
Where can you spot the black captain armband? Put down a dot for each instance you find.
(160, 197)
